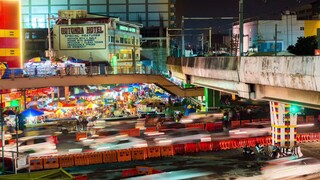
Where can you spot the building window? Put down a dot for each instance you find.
(121, 40)
(111, 39)
(301, 28)
(117, 39)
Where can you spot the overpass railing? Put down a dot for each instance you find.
(44, 72)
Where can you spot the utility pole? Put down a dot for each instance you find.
(241, 27)
(49, 38)
(210, 45)
(275, 39)
(167, 42)
(182, 34)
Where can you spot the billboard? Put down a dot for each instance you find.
(83, 37)
(10, 33)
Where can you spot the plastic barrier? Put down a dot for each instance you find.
(205, 146)
(66, 161)
(167, 151)
(305, 138)
(144, 170)
(262, 141)
(138, 153)
(251, 142)
(36, 163)
(95, 157)
(265, 120)
(300, 119)
(109, 156)
(210, 126)
(134, 132)
(129, 173)
(255, 120)
(154, 152)
(309, 119)
(81, 159)
(50, 162)
(81, 177)
(191, 148)
(235, 124)
(218, 125)
(244, 122)
(151, 129)
(215, 146)
(179, 149)
(195, 126)
(223, 145)
(124, 155)
(269, 140)
(242, 142)
(233, 144)
(80, 135)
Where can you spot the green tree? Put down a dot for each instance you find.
(304, 46)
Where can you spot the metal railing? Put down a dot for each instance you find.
(73, 71)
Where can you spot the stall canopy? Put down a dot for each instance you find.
(32, 112)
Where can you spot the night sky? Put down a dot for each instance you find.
(264, 9)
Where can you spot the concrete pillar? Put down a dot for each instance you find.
(67, 92)
(283, 124)
(212, 98)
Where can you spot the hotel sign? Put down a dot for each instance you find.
(82, 37)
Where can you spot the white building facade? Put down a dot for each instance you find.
(98, 39)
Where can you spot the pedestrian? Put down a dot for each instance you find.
(36, 71)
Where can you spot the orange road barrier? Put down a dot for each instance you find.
(167, 151)
(242, 142)
(210, 126)
(309, 119)
(95, 157)
(215, 146)
(195, 126)
(255, 120)
(244, 122)
(144, 170)
(129, 173)
(80, 135)
(81, 177)
(251, 142)
(191, 148)
(81, 159)
(300, 119)
(262, 141)
(110, 156)
(179, 149)
(205, 146)
(124, 155)
(265, 119)
(131, 132)
(235, 124)
(154, 152)
(151, 129)
(50, 162)
(36, 163)
(138, 153)
(66, 161)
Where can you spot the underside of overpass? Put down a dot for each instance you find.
(167, 85)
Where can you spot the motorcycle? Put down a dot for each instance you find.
(247, 152)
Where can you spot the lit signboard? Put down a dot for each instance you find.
(10, 42)
(126, 28)
(82, 37)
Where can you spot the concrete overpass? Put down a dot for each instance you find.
(287, 79)
(78, 80)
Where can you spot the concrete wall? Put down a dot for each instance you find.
(297, 72)
(223, 68)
